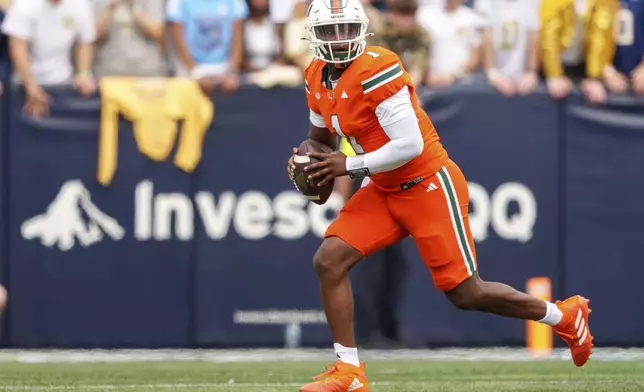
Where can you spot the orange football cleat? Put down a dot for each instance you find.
(339, 377)
(573, 328)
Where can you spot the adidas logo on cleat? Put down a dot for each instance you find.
(580, 325)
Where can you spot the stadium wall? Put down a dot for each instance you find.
(222, 257)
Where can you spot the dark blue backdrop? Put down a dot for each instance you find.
(222, 257)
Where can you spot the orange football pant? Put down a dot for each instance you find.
(434, 212)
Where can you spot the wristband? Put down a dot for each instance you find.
(359, 173)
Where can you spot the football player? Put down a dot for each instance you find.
(364, 94)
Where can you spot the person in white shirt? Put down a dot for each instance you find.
(129, 36)
(297, 50)
(263, 52)
(281, 12)
(260, 37)
(511, 44)
(455, 41)
(42, 34)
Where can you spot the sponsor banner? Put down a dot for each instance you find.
(605, 214)
(263, 260)
(93, 265)
(223, 256)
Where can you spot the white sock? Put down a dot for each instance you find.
(553, 314)
(347, 354)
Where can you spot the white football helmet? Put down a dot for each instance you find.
(337, 30)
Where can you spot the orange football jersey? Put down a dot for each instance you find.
(350, 110)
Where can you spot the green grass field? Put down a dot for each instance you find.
(398, 376)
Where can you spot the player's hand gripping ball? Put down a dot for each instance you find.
(309, 181)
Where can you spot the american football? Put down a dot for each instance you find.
(316, 194)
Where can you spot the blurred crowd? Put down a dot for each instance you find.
(222, 43)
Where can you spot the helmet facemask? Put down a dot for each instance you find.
(338, 42)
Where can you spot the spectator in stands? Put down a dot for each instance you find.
(208, 41)
(261, 44)
(511, 44)
(455, 41)
(129, 35)
(262, 51)
(281, 12)
(577, 43)
(629, 55)
(296, 50)
(42, 34)
(398, 31)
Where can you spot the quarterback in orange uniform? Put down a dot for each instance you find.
(363, 93)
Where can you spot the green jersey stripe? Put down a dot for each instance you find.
(379, 74)
(457, 220)
(382, 78)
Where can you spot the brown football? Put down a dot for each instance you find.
(318, 195)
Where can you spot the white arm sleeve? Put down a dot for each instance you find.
(398, 119)
(316, 119)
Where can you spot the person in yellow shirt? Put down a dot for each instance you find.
(577, 44)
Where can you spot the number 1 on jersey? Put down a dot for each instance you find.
(335, 121)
